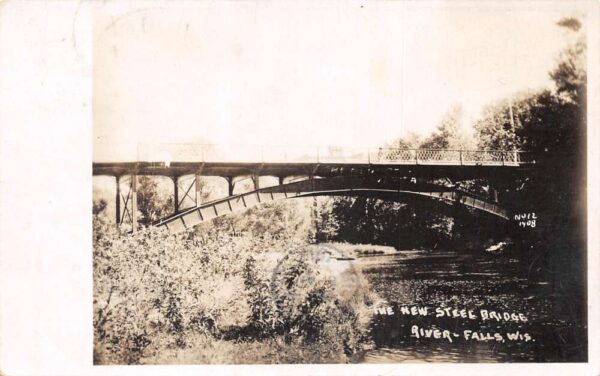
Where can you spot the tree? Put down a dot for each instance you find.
(448, 134)
(550, 126)
(409, 141)
(546, 124)
(570, 74)
(151, 203)
(534, 122)
(407, 224)
(99, 206)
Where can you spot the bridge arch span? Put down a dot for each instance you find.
(338, 186)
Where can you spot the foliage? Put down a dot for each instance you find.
(155, 294)
(154, 203)
(550, 127)
(151, 204)
(570, 74)
(300, 302)
(273, 220)
(99, 206)
(409, 141)
(449, 134)
(404, 225)
(410, 223)
(547, 124)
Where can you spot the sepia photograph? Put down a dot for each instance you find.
(339, 182)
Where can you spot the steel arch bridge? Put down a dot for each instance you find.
(336, 171)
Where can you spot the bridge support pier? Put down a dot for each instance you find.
(118, 200)
(281, 178)
(175, 193)
(134, 219)
(256, 181)
(230, 185)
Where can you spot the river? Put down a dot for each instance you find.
(443, 279)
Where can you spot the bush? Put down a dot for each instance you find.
(157, 294)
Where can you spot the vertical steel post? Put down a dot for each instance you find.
(118, 200)
(281, 178)
(256, 181)
(229, 185)
(176, 192)
(134, 203)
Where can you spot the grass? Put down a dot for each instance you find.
(204, 349)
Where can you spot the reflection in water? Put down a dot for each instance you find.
(472, 281)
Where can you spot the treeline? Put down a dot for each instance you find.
(548, 126)
(418, 224)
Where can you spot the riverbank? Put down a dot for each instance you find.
(160, 299)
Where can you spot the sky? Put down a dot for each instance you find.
(355, 74)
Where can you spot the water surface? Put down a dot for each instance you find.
(471, 281)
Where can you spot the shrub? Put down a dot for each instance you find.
(156, 294)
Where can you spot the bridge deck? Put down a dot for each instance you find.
(291, 169)
(335, 162)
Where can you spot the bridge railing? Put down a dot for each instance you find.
(329, 154)
(447, 156)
